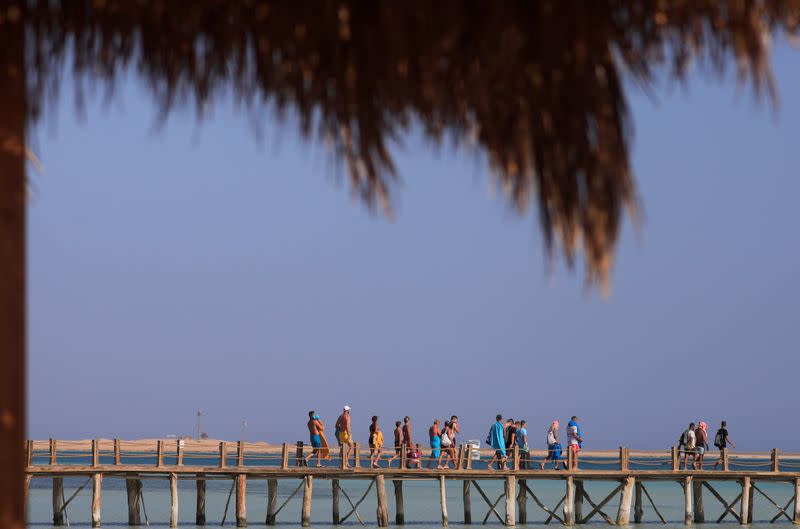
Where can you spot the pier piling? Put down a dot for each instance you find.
(511, 497)
(132, 488)
(697, 494)
(272, 500)
(688, 503)
(241, 500)
(638, 511)
(305, 515)
(58, 501)
(173, 500)
(522, 502)
(624, 511)
(335, 517)
(467, 502)
(579, 492)
(744, 515)
(399, 514)
(200, 511)
(796, 517)
(383, 505)
(443, 500)
(97, 481)
(569, 502)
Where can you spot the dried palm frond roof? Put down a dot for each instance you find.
(536, 85)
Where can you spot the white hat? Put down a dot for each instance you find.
(346, 407)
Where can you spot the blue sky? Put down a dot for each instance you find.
(193, 266)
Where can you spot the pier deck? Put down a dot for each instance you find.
(201, 461)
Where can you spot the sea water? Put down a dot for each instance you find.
(422, 506)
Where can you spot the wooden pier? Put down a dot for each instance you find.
(240, 462)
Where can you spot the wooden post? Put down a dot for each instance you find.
(570, 457)
(53, 449)
(160, 453)
(751, 505)
(460, 460)
(241, 500)
(356, 456)
(516, 457)
(687, 494)
(578, 500)
(298, 454)
(222, 454)
(673, 452)
(305, 515)
(468, 464)
(796, 501)
(622, 465)
(697, 493)
(335, 501)
(467, 502)
(745, 503)
(97, 480)
(624, 511)
(569, 500)
(443, 499)
(272, 499)
(179, 452)
(725, 465)
(284, 456)
(133, 487)
(200, 511)
(27, 486)
(399, 515)
(28, 452)
(522, 502)
(173, 496)
(383, 505)
(403, 456)
(95, 454)
(239, 453)
(117, 453)
(14, 197)
(775, 463)
(638, 511)
(58, 501)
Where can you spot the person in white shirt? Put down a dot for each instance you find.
(552, 440)
(689, 441)
(574, 440)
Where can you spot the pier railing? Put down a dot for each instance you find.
(225, 454)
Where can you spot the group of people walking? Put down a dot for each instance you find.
(505, 437)
(502, 437)
(694, 443)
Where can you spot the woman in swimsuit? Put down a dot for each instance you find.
(375, 442)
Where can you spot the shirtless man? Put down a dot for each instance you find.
(345, 437)
(398, 441)
(315, 428)
(407, 438)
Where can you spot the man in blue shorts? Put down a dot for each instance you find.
(315, 428)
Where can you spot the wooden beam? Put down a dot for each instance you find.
(241, 500)
(399, 514)
(489, 503)
(354, 506)
(781, 511)
(382, 512)
(569, 497)
(173, 503)
(675, 457)
(160, 453)
(335, 518)
(117, 453)
(752, 505)
(745, 512)
(443, 500)
(774, 458)
(688, 504)
(222, 454)
(284, 456)
(597, 508)
(272, 500)
(725, 462)
(28, 453)
(53, 451)
(58, 501)
(97, 481)
(95, 454)
(292, 495)
(305, 514)
(623, 465)
(200, 505)
(542, 505)
(493, 508)
(179, 452)
(240, 453)
(299, 460)
(624, 511)
(644, 489)
(697, 495)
